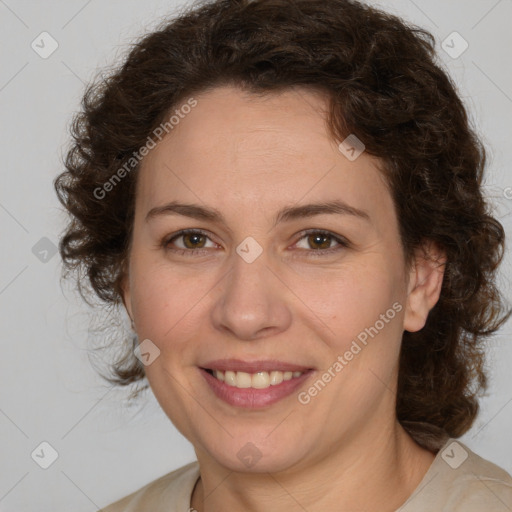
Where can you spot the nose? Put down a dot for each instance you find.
(253, 302)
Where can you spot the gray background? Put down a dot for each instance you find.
(49, 390)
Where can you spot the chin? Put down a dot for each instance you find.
(244, 455)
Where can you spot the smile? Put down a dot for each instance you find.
(259, 380)
(253, 384)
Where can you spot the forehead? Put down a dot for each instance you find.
(256, 151)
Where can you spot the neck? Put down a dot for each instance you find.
(375, 470)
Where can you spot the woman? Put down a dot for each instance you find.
(285, 197)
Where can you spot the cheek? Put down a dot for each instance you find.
(164, 301)
(364, 318)
(351, 299)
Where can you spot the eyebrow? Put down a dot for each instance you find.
(286, 214)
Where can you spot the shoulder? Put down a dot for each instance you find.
(459, 480)
(172, 489)
(477, 482)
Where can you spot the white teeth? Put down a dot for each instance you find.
(259, 380)
(243, 380)
(229, 378)
(276, 378)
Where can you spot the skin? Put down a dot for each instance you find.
(248, 157)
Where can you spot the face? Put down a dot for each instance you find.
(278, 317)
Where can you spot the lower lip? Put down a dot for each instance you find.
(251, 398)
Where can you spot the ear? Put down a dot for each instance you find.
(424, 285)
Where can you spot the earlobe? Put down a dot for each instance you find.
(424, 286)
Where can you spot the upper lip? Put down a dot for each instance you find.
(267, 365)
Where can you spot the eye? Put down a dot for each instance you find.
(190, 240)
(321, 242)
(316, 242)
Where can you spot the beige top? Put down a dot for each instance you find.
(457, 481)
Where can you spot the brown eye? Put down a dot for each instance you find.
(188, 241)
(193, 240)
(320, 241)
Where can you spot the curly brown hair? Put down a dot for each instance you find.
(384, 85)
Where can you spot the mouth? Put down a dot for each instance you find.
(258, 380)
(253, 384)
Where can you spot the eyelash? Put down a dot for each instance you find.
(315, 253)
